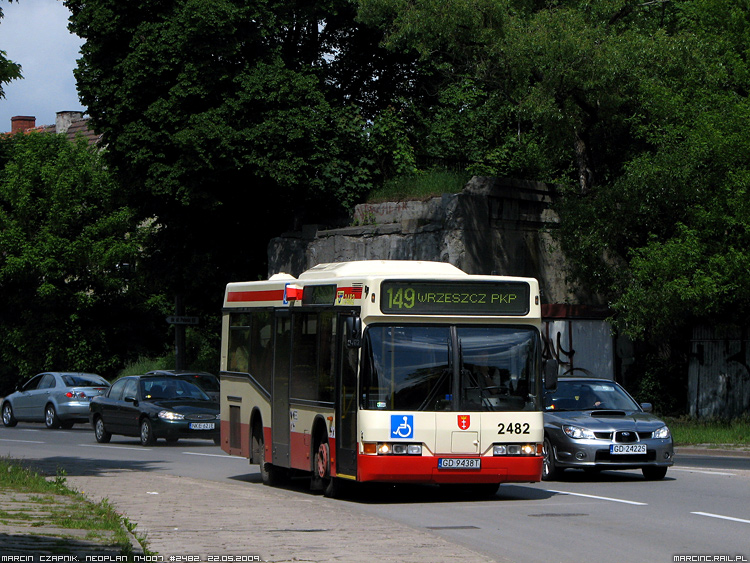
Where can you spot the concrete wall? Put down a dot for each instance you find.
(719, 373)
(494, 225)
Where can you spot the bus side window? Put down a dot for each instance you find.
(304, 352)
(326, 335)
(261, 348)
(239, 342)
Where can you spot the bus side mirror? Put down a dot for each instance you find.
(550, 374)
(353, 332)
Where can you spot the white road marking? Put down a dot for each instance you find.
(218, 455)
(599, 498)
(704, 471)
(722, 517)
(115, 447)
(22, 441)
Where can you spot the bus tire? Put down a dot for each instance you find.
(269, 474)
(330, 486)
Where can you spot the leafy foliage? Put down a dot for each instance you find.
(638, 110)
(9, 70)
(65, 239)
(228, 122)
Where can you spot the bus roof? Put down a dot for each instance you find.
(350, 283)
(369, 268)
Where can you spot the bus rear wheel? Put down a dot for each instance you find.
(269, 474)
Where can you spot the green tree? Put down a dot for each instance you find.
(231, 121)
(65, 298)
(638, 110)
(673, 224)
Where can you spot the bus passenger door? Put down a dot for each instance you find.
(346, 405)
(280, 394)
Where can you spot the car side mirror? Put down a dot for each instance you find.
(131, 400)
(647, 407)
(550, 374)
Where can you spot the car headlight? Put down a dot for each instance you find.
(578, 432)
(662, 432)
(171, 415)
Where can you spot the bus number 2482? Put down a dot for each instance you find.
(513, 428)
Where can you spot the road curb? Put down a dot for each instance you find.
(711, 451)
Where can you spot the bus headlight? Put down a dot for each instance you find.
(388, 448)
(514, 449)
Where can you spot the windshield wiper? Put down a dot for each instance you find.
(432, 395)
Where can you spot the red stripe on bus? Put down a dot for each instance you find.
(251, 296)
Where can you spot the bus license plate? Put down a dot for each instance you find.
(627, 448)
(202, 426)
(459, 463)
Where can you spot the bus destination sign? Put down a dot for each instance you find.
(454, 298)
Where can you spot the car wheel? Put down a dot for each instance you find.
(8, 418)
(102, 436)
(147, 433)
(549, 471)
(50, 417)
(654, 473)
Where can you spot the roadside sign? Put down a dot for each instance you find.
(182, 320)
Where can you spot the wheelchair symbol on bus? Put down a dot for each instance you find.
(402, 426)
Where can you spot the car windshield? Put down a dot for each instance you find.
(84, 380)
(589, 395)
(172, 388)
(445, 368)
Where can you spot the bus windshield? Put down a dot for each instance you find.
(450, 368)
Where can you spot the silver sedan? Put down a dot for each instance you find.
(595, 424)
(59, 399)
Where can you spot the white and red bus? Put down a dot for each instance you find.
(385, 371)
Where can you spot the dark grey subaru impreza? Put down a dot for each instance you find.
(594, 424)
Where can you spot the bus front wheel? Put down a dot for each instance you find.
(322, 479)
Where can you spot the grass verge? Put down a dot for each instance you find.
(49, 503)
(716, 433)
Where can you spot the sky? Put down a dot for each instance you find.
(34, 34)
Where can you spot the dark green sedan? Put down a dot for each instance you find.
(152, 407)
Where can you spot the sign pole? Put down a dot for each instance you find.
(179, 334)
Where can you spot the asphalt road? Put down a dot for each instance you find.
(701, 508)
